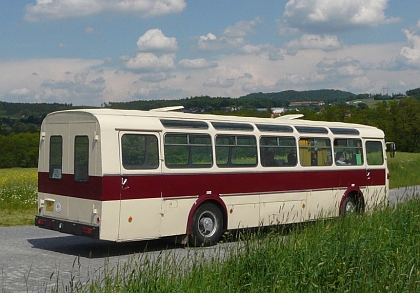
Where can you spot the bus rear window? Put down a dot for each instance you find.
(56, 157)
(81, 158)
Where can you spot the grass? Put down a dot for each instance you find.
(378, 252)
(404, 170)
(18, 196)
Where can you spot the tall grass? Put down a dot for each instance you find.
(18, 196)
(404, 170)
(378, 252)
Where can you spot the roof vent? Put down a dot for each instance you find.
(167, 109)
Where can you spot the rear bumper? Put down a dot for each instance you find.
(67, 227)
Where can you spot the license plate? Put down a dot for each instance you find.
(49, 206)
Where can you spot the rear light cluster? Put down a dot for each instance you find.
(41, 222)
(45, 223)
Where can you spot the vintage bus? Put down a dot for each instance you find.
(124, 175)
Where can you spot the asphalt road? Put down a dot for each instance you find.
(39, 260)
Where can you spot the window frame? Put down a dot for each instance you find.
(55, 170)
(79, 174)
(270, 153)
(233, 147)
(148, 152)
(190, 149)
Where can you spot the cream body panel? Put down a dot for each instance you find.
(110, 220)
(175, 215)
(145, 219)
(243, 210)
(282, 208)
(70, 208)
(324, 203)
(375, 196)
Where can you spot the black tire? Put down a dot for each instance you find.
(350, 206)
(206, 226)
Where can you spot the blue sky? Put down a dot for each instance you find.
(94, 51)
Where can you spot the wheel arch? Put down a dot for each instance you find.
(356, 194)
(217, 201)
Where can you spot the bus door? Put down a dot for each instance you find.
(140, 175)
(376, 191)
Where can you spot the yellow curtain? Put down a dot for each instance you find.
(322, 154)
(305, 152)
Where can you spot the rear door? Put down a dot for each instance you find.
(140, 196)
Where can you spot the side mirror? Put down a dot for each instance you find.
(391, 148)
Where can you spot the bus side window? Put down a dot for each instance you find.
(56, 157)
(350, 150)
(278, 151)
(139, 151)
(236, 151)
(374, 153)
(188, 150)
(81, 158)
(315, 151)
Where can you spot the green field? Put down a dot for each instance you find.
(18, 196)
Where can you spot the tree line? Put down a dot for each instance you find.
(398, 118)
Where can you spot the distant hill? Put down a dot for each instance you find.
(325, 95)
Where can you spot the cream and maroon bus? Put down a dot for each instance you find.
(124, 175)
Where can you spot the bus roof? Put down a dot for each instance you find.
(118, 119)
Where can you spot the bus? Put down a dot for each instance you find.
(128, 175)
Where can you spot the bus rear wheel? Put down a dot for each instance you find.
(206, 226)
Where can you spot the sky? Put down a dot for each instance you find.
(90, 52)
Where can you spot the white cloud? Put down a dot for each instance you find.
(24, 92)
(199, 63)
(210, 42)
(58, 9)
(232, 37)
(218, 82)
(241, 28)
(411, 54)
(155, 40)
(334, 15)
(335, 68)
(318, 42)
(156, 77)
(267, 51)
(149, 62)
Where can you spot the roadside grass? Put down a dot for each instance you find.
(376, 252)
(404, 170)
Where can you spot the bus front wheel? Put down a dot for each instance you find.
(350, 206)
(206, 226)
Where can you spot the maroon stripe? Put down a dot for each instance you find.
(172, 185)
